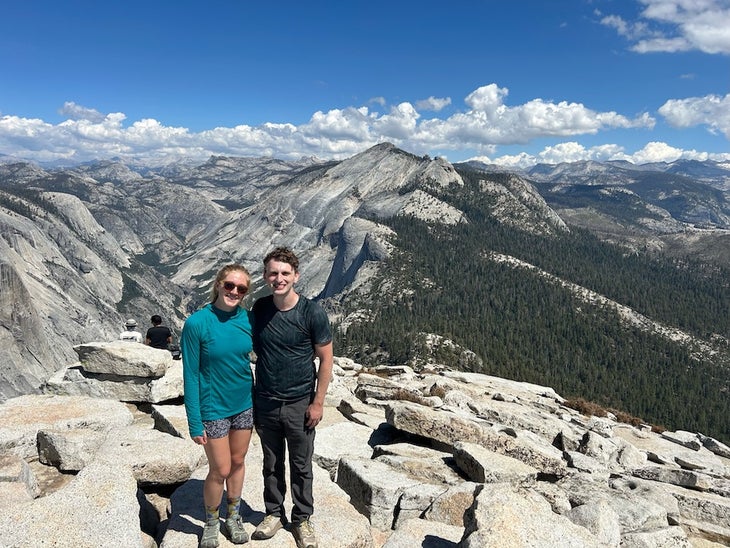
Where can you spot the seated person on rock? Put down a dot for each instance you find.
(130, 333)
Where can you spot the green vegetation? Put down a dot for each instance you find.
(131, 290)
(604, 198)
(526, 327)
(22, 199)
(11, 203)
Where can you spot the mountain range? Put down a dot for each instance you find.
(387, 239)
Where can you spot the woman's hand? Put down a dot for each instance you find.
(201, 440)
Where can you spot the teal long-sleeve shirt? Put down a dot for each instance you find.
(217, 376)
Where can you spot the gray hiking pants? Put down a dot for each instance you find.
(281, 427)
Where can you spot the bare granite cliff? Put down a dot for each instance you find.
(432, 457)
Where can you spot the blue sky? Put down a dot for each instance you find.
(514, 83)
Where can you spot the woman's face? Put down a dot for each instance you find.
(231, 289)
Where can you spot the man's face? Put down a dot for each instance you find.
(280, 277)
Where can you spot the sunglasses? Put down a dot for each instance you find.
(230, 286)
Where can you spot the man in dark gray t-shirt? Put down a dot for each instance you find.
(284, 348)
(289, 332)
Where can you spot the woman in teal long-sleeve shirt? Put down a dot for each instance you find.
(218, 383)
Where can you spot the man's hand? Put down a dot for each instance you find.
(314, 414)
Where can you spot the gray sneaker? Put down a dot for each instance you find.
(210, 534)
(304, 535)
(235, 531)
(268, 527)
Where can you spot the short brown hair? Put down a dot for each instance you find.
(282, 255)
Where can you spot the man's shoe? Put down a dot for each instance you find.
(210, 534)
(235, 531)
(304, 535)
(268, 527)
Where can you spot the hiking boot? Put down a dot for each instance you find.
(235, 531)
(210, 534)
(268, 527)
(304, 535)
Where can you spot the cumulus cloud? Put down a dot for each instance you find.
(346, 124)
(570, 151)
(435, 104)
(522, 160)
(76, 112)
(677, 25)
(712, 111)
(657, 152)
(399, 124)
(491, 121)
(486, 123)
(575, 152)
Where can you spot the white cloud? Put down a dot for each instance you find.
(657, 152)
(486, 98)
(349, 123)
(522, 160)
(487, 123)
(435, 104)
(491, 122)
(575, 152)
(631, 30)
(711, 110)
(244, 140)
(656, 45)
(677, 25)
(565, 152)
(400, 123)
(76, 112)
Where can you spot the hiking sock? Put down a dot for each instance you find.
(212, 513)
(234, 506)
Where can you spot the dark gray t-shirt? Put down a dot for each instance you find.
(284, 345)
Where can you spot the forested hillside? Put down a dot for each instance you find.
(524, 326)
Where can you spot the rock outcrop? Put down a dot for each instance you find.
(119, 370)
(403, 458)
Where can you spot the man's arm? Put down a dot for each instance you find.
(324, 374)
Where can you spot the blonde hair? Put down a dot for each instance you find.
(222, 273)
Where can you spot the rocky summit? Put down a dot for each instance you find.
(430, 457)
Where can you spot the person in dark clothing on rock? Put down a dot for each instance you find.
(158, 336)
(289, 332)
